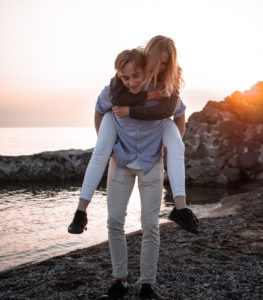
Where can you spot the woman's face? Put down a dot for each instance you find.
(164, 59)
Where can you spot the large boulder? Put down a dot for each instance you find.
(229, 134)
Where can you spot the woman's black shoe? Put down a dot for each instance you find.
(79, 222)
(185, 218)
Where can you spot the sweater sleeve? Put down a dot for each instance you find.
(162, 110)
(120, 96)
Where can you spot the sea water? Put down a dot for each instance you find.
(34, 217)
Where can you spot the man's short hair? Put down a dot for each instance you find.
(135, 55)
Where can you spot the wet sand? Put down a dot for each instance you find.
(225, 261)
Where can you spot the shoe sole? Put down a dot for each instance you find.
(74, 232)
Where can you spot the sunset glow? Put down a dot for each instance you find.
(56, 55)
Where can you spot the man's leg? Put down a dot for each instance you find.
(119, 188)
(150, 187)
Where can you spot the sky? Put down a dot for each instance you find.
(57, 55)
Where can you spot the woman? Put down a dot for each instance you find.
(163, 76)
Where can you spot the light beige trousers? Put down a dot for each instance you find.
(119, 188)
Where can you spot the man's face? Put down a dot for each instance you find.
(132, 77)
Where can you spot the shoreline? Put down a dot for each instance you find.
(224, 261)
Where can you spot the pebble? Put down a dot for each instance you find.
(225, 261)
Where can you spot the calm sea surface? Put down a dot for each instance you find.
(34, 217)
(34, 220)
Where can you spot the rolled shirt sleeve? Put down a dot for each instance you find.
(180, 109)
(103, 103)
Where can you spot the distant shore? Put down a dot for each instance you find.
(225, 261)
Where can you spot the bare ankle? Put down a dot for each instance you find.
(180, 202)
(83, 204)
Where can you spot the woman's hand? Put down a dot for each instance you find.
(121, 111)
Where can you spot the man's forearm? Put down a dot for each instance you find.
(180, 122)
(97, 120)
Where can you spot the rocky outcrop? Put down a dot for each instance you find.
(45, 166)
(224, 141)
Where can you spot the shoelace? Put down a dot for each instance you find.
(84, 226)
(193, 216)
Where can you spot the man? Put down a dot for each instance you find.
(137, 152)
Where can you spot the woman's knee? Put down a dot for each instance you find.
(175, 146)
(104, 143)
(172, 139)
(178, 143)
(107, 135)
(171, 131)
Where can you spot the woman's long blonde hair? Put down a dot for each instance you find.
(171, 79)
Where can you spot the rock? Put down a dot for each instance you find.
(232, 162)
(228, 127)
(233, 174)
(225, 134)
(45, 166)
(210, 109)
(220, 151)
(201, 151)
(260, 158)
(247, 160)
(220, 161)
(194, 172)
(197, 116)
(213, 171)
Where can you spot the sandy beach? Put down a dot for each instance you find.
(223, 262)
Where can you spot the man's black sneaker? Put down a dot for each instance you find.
(146, 291)
(79, 222)
(185, 218)
(116, 291)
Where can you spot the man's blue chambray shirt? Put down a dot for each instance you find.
(136, 139)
